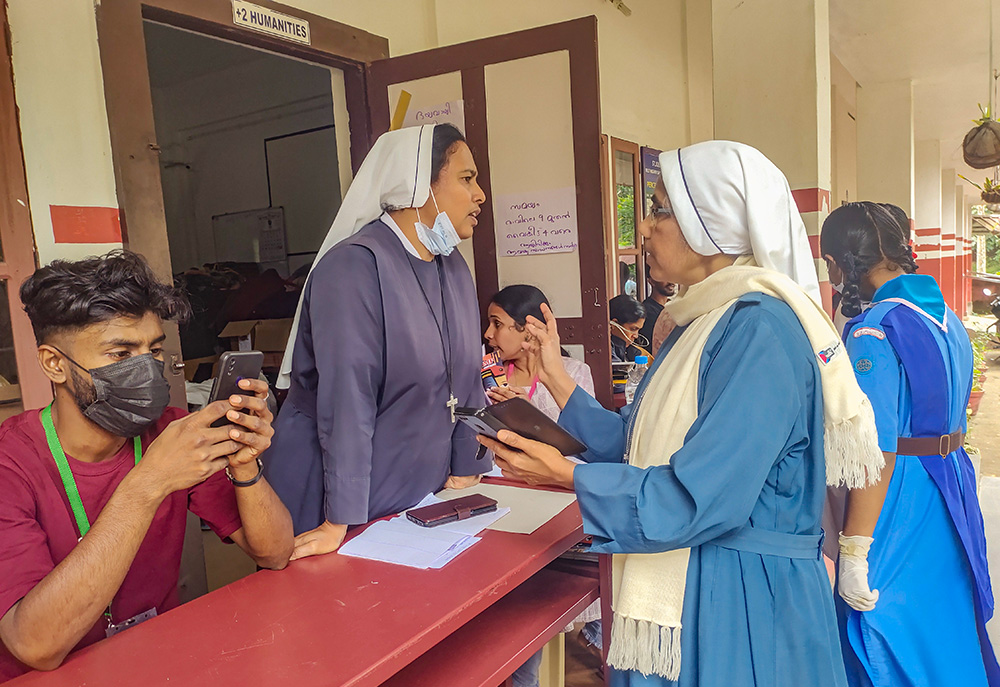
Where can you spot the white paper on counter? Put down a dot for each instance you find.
(529, 508)
(392, 541)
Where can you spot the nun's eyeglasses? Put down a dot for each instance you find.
(658, 213)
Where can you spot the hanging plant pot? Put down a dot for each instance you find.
(981, 147)
(990, 196)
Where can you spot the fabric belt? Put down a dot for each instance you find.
(930, 446)
(770, 543)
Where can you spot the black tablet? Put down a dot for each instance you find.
(519, 416)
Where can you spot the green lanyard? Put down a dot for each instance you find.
(69, 482)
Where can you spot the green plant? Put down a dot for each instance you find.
(993, 254)
(626, 216)
(989, 186)
(985, 112)
(979, 343)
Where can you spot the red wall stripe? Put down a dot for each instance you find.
(811, 199)
(814, 244)
(76, 224)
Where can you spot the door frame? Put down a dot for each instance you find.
(579, 38)
(129, 103)
(16, 233)
(615, 145)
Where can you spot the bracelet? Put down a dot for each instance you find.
(249, 482)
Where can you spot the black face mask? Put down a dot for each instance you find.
(125, 397)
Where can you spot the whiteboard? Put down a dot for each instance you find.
(250, 236)
(303, 177)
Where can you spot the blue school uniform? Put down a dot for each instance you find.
(752, 466)
(912, 357)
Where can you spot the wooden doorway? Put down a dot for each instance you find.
(372, 83)
(22, 383)
(531, 103)
(135, 149)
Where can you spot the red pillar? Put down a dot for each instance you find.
(960, 276)
(928, 248)
(969, 270)
(948, 281)
(814, 206)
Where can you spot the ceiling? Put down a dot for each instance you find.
(177, 56)
(941, 45)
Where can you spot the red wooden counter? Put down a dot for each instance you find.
(336, 620)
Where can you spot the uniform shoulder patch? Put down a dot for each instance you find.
(868, 331)
(863, 366)
(828, 354)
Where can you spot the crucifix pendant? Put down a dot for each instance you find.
(452, 403)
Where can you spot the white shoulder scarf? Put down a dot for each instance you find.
(648, 589)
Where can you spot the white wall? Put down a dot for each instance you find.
(927, 185)
(59, 87)
(64, 124)
(698, 53)
(772, 83)
(885, 144)
(642, 57)
(844, 139)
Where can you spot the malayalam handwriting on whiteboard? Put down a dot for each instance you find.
(537, 222)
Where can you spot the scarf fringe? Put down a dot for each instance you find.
(646, 647)
(853, 456)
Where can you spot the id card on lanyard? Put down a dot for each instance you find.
(79, 513)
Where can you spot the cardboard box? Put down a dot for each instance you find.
(269, 336)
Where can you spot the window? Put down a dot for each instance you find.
(624, 208)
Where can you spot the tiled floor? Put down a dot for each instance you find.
(984, 434)
(581, 665)
(989, 500)
(984, 428)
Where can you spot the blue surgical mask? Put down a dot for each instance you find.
(440, 239)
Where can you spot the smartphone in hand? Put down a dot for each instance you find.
(234, 366)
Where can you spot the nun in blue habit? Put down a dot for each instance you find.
(710, 492)
(912, 569)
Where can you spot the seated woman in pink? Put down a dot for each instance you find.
(507, 334)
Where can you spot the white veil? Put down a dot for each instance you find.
(729, 198)
(396, 173)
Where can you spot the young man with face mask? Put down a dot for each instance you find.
(96, 487)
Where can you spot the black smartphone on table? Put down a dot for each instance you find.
(233, 367)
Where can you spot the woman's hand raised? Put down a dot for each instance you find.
(544, 352)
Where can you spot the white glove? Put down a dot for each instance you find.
(853, 583)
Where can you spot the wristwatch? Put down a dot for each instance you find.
(249, 482)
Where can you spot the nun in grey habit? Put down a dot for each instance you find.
(386, 342)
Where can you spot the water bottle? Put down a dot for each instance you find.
(639, 367)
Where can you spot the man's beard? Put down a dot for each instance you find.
(83, 391)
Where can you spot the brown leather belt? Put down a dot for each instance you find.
(930, 446)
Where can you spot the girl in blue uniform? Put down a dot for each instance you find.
(912, 569)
